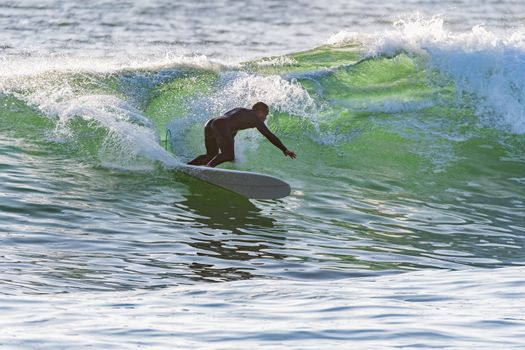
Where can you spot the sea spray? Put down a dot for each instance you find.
(242, 89)
(486, 68)
(66, 88)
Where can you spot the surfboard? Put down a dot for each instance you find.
(248, 184)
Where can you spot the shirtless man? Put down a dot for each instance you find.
(219, 134)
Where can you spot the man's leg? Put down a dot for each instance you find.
(212, 147)
(225, 141)
(200, 160)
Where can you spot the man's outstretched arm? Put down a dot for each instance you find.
(263, 129)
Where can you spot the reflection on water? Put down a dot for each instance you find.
(230, 230)
(221, 209)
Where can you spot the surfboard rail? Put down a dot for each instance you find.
(248, 184)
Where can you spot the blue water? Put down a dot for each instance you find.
(405, 227)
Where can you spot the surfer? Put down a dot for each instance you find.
(219, 134)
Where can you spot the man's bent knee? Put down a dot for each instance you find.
(229, 156)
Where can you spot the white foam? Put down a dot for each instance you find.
(44, 63)
(244, 89)
(278, 61)
(131, 141)
(344, 37)
(482, 64)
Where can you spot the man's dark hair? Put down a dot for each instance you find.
(261, 106)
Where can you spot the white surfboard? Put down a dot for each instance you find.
(247, 184)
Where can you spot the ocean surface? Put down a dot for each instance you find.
(405, 227)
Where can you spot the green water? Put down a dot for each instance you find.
(396, 171)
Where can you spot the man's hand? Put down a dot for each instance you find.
(290, 154)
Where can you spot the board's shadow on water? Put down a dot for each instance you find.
(217, 208)
(234, 232)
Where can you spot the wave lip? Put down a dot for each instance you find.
(484, 67)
